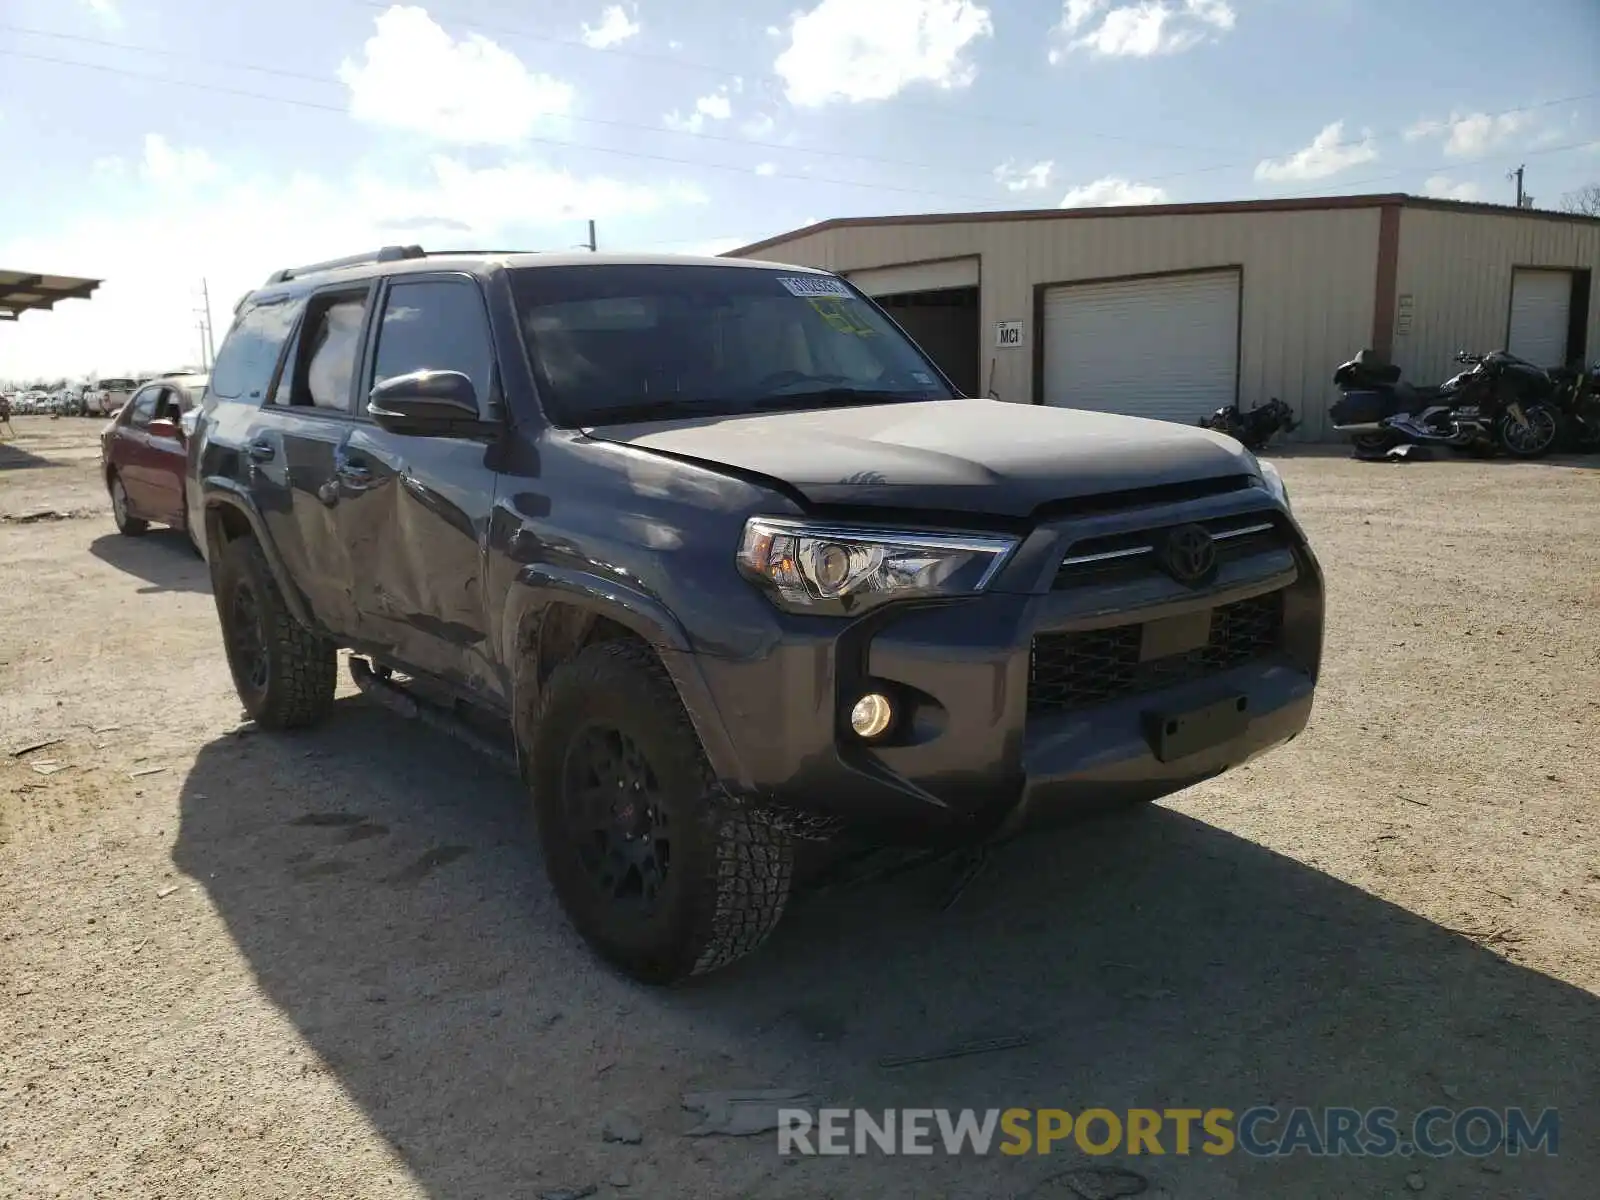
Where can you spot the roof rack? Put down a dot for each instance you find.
(386, 254)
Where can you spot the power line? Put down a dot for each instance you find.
(701, 135)
(331, 81)
(986, 199)
(724, 72)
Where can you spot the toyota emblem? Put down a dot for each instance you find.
(1189, 555)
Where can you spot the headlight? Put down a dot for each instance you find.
(833, 569)
(1273, 482)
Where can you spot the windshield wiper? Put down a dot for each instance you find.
(660, 410)
(837, 395)
(668, 410)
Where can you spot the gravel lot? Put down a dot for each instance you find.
(243, 965)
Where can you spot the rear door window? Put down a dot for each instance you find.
(249, 356)
(321, 372)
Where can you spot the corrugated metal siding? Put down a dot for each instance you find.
(1308, 282)
(1457, 269)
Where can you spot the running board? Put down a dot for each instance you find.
(397, 699)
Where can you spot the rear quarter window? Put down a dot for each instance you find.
(249, 355)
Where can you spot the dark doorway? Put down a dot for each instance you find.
(945, 324)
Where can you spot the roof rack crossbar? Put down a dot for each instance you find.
(386, 254)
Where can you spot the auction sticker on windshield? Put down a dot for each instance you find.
(814, 285)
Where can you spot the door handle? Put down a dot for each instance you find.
(262, 450)
(354, 476)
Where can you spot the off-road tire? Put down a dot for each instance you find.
(732, 863)
(301, 667)
(126, 525)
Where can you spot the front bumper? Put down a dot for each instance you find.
(985, 746)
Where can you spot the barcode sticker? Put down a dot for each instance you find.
(815, 285)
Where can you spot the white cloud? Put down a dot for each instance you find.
(1471, 135)
(1021, 179)
(1445, 189)
(842, 51)
(615, 26)
(151, 234)
(767, 169)
(106, 10)
(1113, 191)
(1328, 154)
(758, 126)
(1140, 30)
(413, 76)
(715, 107)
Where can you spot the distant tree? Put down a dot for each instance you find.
(1586, 200)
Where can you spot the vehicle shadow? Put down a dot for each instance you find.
(382, 891)
(162, 557)
(14, 458)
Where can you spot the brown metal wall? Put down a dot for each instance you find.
(1456, 268)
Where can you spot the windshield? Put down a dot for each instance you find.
(621, 342)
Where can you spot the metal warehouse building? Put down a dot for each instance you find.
(1173, 310)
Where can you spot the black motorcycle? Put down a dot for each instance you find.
(1254, 429)
(1578, 397)
(1500, 402)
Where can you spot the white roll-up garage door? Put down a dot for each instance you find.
(1541, 302)
(1164, 347)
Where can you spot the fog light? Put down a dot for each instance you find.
(871, 715)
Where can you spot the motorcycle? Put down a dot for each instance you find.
(1578, 397)
(1254, 429)
(1500, 402)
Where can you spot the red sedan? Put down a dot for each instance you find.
(143, 452)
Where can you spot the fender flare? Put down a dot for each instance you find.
(217, 492)
(541, 584)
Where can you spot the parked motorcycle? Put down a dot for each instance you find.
(1578, 397)
(1254, 429)
(1500, 402)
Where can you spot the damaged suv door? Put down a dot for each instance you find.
(412, 510)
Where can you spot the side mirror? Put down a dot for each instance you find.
(163, 428)
(426, 404)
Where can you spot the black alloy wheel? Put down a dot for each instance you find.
(618, 814)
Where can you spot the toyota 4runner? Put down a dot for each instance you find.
(734, 565)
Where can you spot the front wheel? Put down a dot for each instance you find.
(659, 870)
(1534, 436)
(128, 526)
(284, 673)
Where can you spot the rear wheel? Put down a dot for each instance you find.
(1534, 436)
(660, 871)
(127, 525)
(284, 673)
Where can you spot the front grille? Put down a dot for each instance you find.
(1071, 671)
(1127, 557)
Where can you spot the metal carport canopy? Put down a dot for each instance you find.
(21, 291)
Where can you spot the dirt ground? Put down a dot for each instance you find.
(235, 964)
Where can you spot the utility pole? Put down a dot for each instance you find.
(591, 243)
(1517, 175)
(208, 344)
(211, 335)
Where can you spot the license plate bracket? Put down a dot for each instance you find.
(1178, 733)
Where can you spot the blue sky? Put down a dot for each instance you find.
(687, 125)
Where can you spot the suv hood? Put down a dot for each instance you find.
(980, 456)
